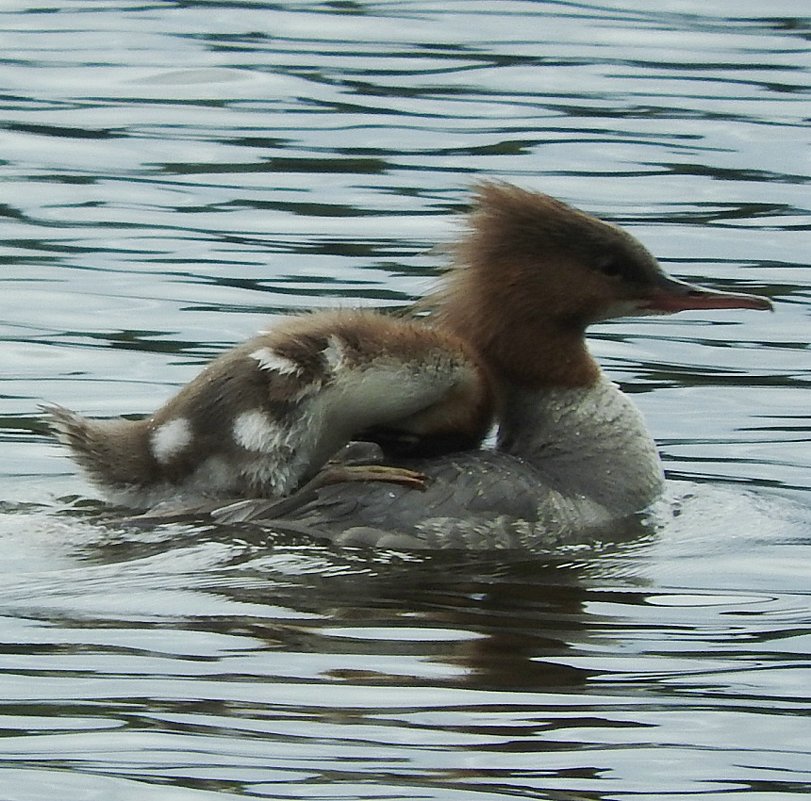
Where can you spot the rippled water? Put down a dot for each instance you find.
(174, 173)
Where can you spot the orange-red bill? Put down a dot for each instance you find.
(672, 295)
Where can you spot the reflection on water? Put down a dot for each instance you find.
(177, 173)
(244, 666)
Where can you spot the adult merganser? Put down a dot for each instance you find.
(572, 451)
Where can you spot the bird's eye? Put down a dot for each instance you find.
(610, 266)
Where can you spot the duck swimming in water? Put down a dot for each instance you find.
(505, 338)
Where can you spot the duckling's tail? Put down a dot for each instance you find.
(114, 453)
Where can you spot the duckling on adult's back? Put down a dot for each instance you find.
(266, 415)
(572, 452)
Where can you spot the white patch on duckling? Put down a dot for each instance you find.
(255, 431)
(274, 363)
(334, 353)
(170, 438)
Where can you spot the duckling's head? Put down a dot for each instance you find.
(532, 273)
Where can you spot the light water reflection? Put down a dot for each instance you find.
(176, 173)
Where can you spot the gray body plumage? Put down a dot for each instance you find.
(568, 463)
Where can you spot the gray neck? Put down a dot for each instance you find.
(587, 442)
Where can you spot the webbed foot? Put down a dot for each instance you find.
(337, 473)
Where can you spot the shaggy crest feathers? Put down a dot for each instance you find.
(529, 276)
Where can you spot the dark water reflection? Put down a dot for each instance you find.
(176, 173)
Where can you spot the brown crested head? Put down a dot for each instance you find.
(532, 273)
(553, 260)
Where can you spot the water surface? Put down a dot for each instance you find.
(176, 174)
